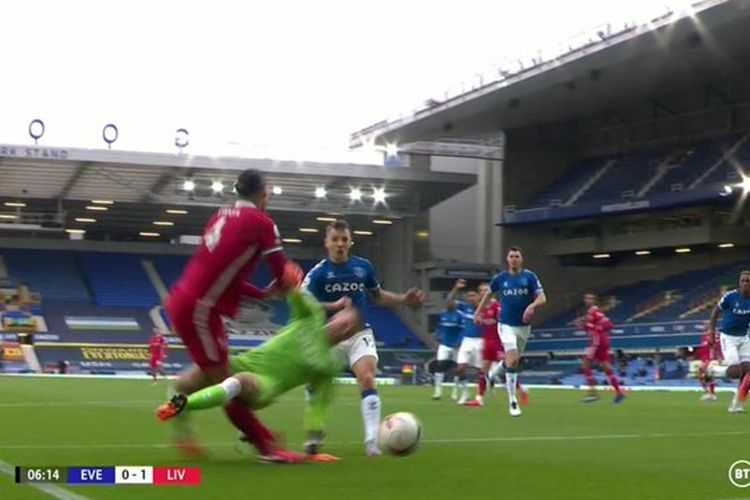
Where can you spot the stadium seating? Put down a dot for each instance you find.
(55, 275)
(647, 173)
(119, 280)
(691, 288)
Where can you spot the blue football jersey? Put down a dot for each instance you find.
(516, 292)
(468, 327)
(355, 278)
(449, 328)
(735, 313)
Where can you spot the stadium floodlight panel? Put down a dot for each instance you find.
(277, 190)
(601, 256)
(188, 185)
(75, 231)
(14, 204)
(355, 194)
(320, 192)
(378, 195)
(96, 208)
(683, 250)
(217, 186)
(391, 149)
(382, 222)
(149, 234)
(103, 202)
(176, 211)
(85, 219)
(291, 240)
(643, 252)
(363, 233)
(163, 223)
(726, 245)
(8, 216)
(326, 219)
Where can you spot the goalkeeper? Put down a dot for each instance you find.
(300, 354)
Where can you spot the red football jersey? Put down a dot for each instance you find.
(234, 240)
(490, 315)
(598, 325)
(157, 347)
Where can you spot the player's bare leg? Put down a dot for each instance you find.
(619, 394)
(590, 381)
(734, 371)
(478, 401)
(364, 369)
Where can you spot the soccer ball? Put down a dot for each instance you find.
(400, 433)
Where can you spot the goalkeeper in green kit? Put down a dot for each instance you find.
(300, 354)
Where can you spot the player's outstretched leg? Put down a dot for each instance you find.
(364, 369)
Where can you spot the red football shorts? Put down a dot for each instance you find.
(201, 329)
(599, 354)
(493, 350)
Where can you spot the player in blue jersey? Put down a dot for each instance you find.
(337, 281)
(734, 309)
(449, 338)
(470, 351)
(520, 293)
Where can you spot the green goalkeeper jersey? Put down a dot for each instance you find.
(299, 354)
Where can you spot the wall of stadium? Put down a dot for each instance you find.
(463, 227)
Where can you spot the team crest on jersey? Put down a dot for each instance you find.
(359, 272)
(330, 275)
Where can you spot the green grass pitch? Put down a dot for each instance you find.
(655, 445)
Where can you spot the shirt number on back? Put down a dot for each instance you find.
(213, 235)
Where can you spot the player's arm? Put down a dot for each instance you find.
(450, 301)
(713, 319)
(482, 304)
(540, 298)
(412, 298)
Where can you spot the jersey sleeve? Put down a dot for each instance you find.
(371, 280)
(724, 302)
(269, 237)
(535, 284)
(495, 283)
(311, 283)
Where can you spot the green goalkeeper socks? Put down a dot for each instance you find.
(216, 395)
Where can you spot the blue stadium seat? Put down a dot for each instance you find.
(53, 274)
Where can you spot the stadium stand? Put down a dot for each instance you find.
(647, 173)
(692, 289)
(56, 276)
(118, 280)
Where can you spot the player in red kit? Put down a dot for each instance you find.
(705, 354)
(598, 326)
(235, 239)
(157, 350)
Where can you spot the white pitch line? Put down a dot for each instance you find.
(585, 437)
(48, 488)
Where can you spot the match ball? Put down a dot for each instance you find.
(400, 433)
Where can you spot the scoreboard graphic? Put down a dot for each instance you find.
(114, 475)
